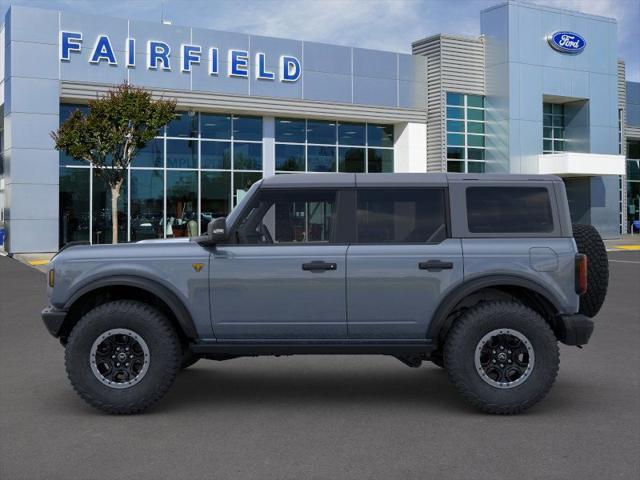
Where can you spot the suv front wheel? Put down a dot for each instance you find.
(502, 357)
(122, 356)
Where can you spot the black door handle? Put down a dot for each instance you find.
(319, 266)
(435, 265)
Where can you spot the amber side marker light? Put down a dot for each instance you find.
(581, 274)
(52, 277)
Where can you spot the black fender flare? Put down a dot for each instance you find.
(176, 306)
(439, 320)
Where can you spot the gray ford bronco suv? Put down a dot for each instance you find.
(482, 275)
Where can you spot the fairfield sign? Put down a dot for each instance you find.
(159, 56)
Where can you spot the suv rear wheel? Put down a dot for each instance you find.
(502, 357)
(122, 356)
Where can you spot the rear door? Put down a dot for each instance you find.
(401, 263)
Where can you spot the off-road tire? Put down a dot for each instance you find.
(461, 343)
(590, 243)
(153, 327)
(188, 359)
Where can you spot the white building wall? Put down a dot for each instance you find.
(410, 149)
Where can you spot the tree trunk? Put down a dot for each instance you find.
(115, 194)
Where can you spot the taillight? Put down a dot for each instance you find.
(581, 274)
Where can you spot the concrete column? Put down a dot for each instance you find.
(268, 146)
(31, 112)
(410, 148)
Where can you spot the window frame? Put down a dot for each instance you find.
(465, 133)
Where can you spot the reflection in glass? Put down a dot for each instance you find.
(455, 112)
(215, 190)
(290, 130)
(455, 152)
(242, 182)
(247, 156)
(351, 160)
(147, 187)
(476, 167)
(182, 204)
(184, 124)
(455, 139)
(247, 128)
(379, 135)
(477, 115)
(380, 160)
(215, 155)
(290, 158)
(215, 126)
(475, 153)
(475, 101)
(101, 216)
(321, 159)
(151, 155)
(475, 127)
(455, 98)
(455, 167)
(475, 140)
(74, 205)
(351, 133)
(320, 131)
(455, 126)
(182, 153)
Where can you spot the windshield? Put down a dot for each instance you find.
(232, 217)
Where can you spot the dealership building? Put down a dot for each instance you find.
(540, 91)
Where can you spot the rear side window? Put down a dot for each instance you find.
(401, 215)
(509, 210)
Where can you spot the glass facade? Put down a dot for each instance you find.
(465, 130)
(330, 146)
(196, 169)
(552, 128)
(633, 184)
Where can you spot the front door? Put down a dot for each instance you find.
(401, 263)
(284, 276)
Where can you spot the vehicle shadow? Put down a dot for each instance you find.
(214, 385)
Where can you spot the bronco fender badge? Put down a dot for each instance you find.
(197, 266)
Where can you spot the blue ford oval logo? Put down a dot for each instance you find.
(567, 42)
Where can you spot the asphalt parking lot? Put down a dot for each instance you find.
(320, 417)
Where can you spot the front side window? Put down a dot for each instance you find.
(509, 210)
(278, 217)
(401, 216)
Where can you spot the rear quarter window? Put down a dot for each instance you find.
(509, 210)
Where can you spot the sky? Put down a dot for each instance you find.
(378, 24)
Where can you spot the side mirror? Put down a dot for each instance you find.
(217, 230)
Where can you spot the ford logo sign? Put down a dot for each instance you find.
(567, 42)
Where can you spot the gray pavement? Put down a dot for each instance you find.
(320, 417)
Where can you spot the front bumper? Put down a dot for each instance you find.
(54, 320)
(574, 329)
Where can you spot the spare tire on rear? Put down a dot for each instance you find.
(590, 243)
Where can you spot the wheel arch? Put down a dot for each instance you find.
(128, 287)
(492, 287)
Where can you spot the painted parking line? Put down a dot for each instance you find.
(38, 262)
(623, 261)
(628, 247)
